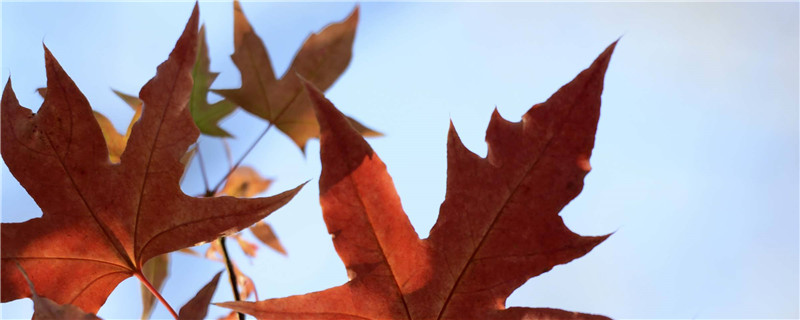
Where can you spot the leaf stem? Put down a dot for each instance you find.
(153, 290)
(252, 146)
(212, 192)
(239, 162)
(231, 273)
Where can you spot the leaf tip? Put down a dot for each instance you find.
(319, 102)
(594, 241)
(50, 62)
(240, 24)
(496, 115)
(453, 140)
(602, 60)
(289, 194)
(196, 12)
(197, 307)
(47, 52)
(352, 19)
(238, 306)
(194, 19)
(188, 37)
(216, 277)
(8, 85)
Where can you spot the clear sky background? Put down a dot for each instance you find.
(695, 166)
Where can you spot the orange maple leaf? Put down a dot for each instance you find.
(102, 221)
(498, 226)
(322, 59)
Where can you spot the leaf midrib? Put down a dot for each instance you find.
(506, 200)
(380, 245)
(180, 61)
(119, 248)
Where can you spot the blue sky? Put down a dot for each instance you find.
(695, 166)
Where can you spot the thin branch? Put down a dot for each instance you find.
(202, 167)
(231, 274)
(239, 162)
(212, 192)
(252, 146)
(228, 154)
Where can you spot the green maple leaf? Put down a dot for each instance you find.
(206, 116)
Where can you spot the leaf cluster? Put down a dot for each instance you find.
(113, 208)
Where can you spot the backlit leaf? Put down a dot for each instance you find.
(206, 116)
(197, 308)
(322, 59)
(101, 221)
(499, 224)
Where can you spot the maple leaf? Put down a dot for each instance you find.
(206, 116)
(102, 221)
(244, 182)
(197, 307)
(156, 269)
(498, 226)
(263, 231)
(322, 59)
(114, 140)
(46, 309)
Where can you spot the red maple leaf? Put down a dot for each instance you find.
(102, 221)
(499, 224)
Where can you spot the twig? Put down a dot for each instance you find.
(239, 162)
(212, 192)
(228, 154)
(231, 274)
(252, 146)
(202, 167)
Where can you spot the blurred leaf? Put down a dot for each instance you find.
(197, 307)
(185, 159)
(115, 141)
(46, 309)
(206, 116)
(323, 57)
(233, 315)
(155, 270)
(191, 252)
(498, 227)
(134, 102)
(246, 285)
(244, 182)
(248, 247)
(263, 231)
(243, 282)
(100, 221)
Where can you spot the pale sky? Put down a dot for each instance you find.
(695, 166)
